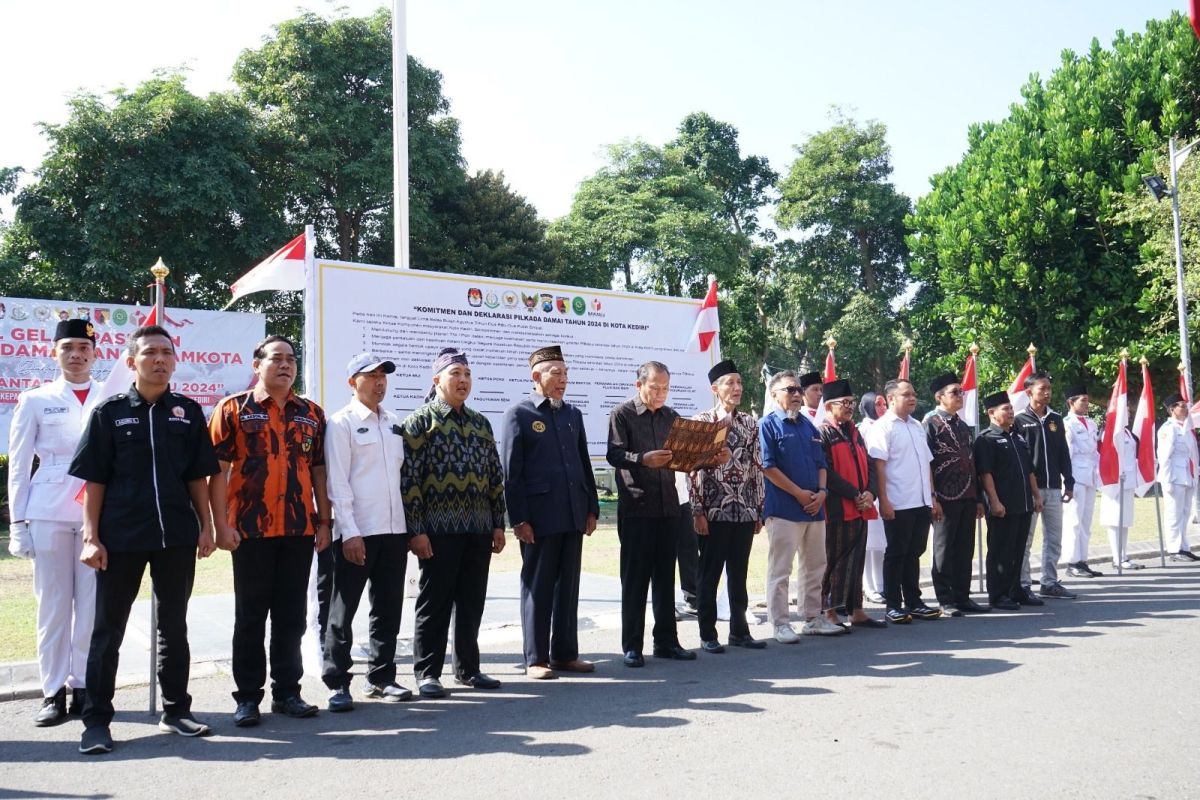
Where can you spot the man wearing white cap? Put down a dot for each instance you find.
(364, 450)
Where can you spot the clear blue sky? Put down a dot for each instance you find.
(541, 86)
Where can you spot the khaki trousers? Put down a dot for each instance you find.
(786, 540)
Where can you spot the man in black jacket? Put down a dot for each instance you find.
(1045, 431)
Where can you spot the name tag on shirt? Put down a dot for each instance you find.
(54, 410)
(127, 421)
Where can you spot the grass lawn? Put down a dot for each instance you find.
(601, 555)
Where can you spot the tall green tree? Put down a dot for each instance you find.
(1026, 238)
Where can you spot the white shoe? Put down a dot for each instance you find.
(785, 635)
(820, 626)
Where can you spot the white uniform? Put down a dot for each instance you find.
(1116, 506)
(876, 540)
(48, 422)
(1177, 460)
(1085, 467)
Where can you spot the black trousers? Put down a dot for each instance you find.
(725, 549)
(550, 597)
(953, 551)
(647, 558)
(172, 572)
(1005, 551)
(386, 563)
(454, 581)
(270, 576)
(845, 555)
(324, 591)
(907, 536)
(687, 551)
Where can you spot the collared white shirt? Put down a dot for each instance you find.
(1177, 456)
(1085, 453)
(363, 454)
(815, 415)
(48, 422)
(902, 444)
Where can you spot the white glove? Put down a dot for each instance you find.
(20, 540)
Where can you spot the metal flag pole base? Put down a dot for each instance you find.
(1162, 548)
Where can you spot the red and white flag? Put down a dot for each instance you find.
(903, 374)
(830, 368)
(1016, 393)
(969, 413)
(1116, 419)
(283, 271)
(1143, 428)
(707, 326)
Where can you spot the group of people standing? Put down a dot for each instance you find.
(139, 479)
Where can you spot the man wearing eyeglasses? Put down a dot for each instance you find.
(953, 466)
(1045, 431)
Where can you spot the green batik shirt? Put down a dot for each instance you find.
(451, 476)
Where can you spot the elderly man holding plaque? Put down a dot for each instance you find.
(550, 492)
(727, 510)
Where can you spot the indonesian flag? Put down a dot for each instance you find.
(1115, 420)
(1016, 392)
(1183, 387)
(705, 330)
(830, 368)
(1143, 428)
(283, 270)
(903, 376)
(969, 413)
(152, 317)
(1194, 15)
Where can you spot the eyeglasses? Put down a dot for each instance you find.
(790, 389)
(845, 402)
(953, 392)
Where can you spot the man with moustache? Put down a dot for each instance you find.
(906, 503)
(852, 482)
(1010, 491)
(954, 480)
(454, 498)
(727, 512)
(1177, 464)
(1043, 429)
(1082, 435)
(364, 453)
(47, 522)
(271, 510)
(550, 491)
(146, 459)
(794, 510)
(647, 515)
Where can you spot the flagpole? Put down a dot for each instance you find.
(400, 134)
(1162, 551)
(974, 348)
(1185, 353)
(160, 272)
(1121, 476)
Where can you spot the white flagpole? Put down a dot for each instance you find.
(160, 272)
(400, 133)
(974, 348)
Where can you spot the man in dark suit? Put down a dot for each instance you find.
(550, 491)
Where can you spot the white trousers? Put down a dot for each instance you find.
(66, 598)
(1077, 523)
(786, 540)
(873, 564)
(1178, 507)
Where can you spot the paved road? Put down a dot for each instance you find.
(1084, 699)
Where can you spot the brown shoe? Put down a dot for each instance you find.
(575, 665)
(540, 672)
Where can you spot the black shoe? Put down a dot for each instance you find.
(78, 698)
(713, 647)
(293, 707)
(925, 612)
(1027, 598)
(1086, 567)
(1189, 555)
(478, 681)
(748, 642)
(971, 607)
(869, 622)
(391, 693)
(247, 714)
(1006, 604)
(340, 700)
(897, 616)
(53, 710)
(184, 724)
(634, 659)
(951, 610)
(675, 652)
(1079, 571)
(96, 741)
(687, 609)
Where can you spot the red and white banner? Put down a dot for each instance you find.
(707, 324)
(969, 413)
(1117, 418)
(903, 373)
(830, 368)
(1143, 429)
(283, 270)
(1016, 392)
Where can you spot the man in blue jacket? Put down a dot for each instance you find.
(550, 491)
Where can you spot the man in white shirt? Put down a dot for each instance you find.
(812, 408)
(364, 449)
(898, 444)
(1116, 500)
(1177, 462)
(1085, 467)
(47, 518)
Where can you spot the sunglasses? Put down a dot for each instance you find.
(790, 389)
